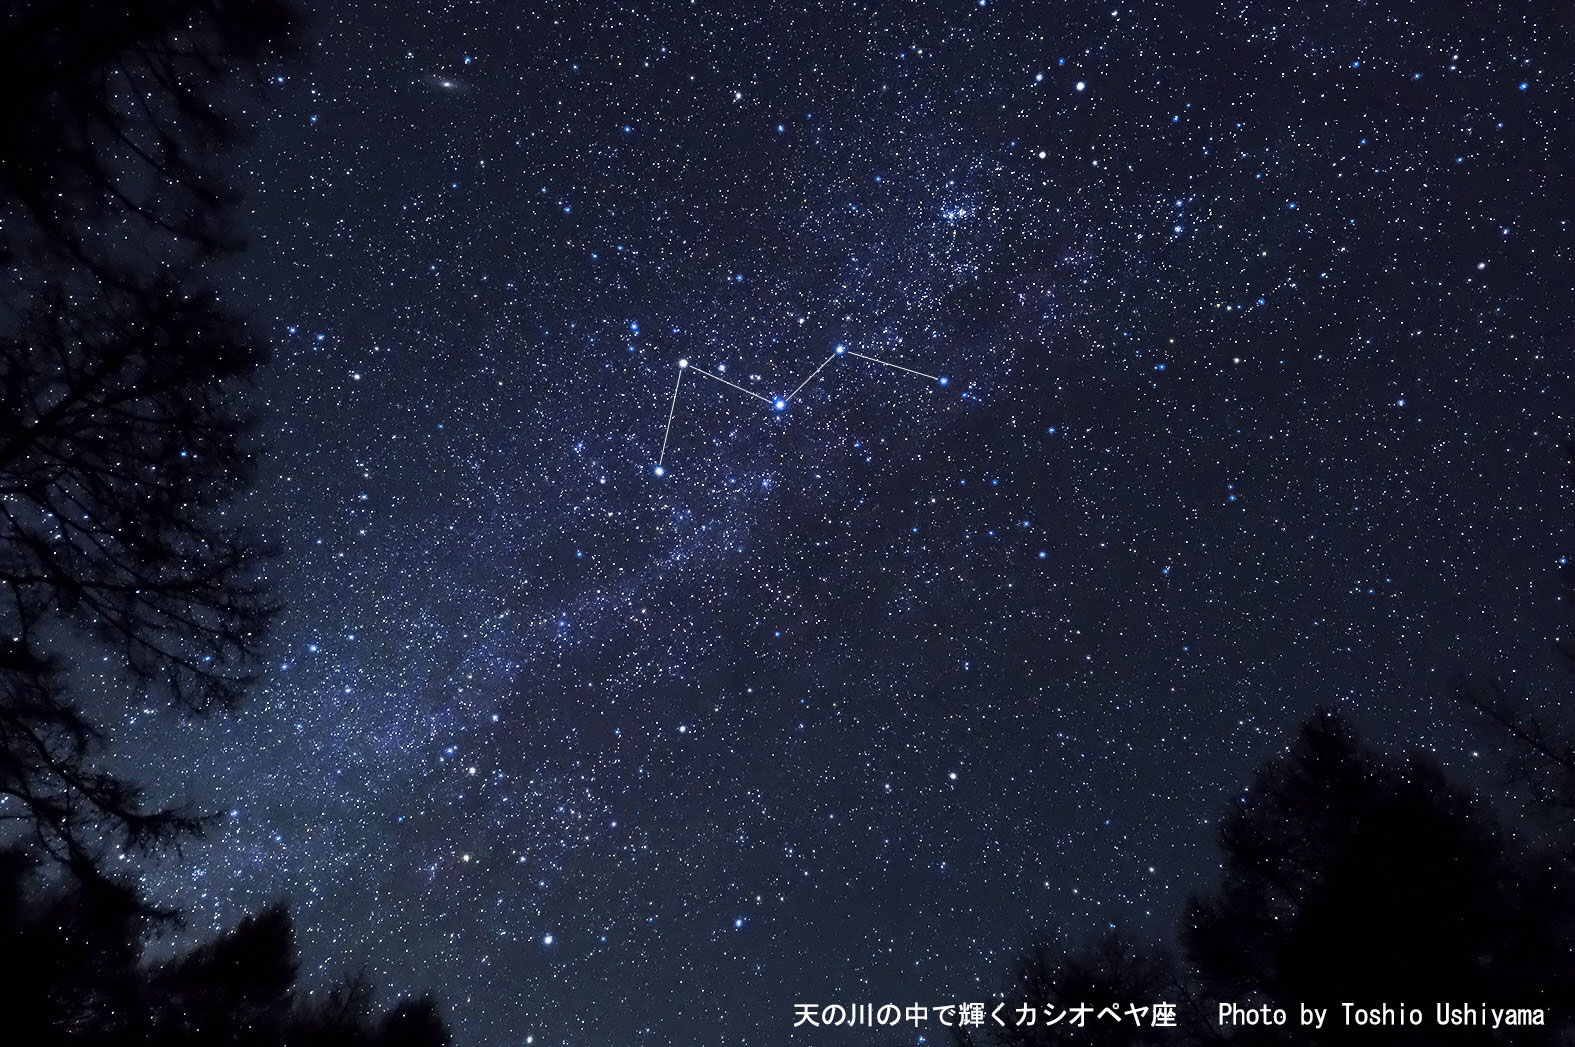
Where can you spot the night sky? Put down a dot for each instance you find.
(1256, 322)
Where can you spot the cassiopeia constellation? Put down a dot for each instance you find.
(778, 403)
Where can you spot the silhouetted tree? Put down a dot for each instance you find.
(123, 441)
(72, 972)
(119, 444)
(1540, 751)
(1350, 879)
(1112, 970)
(67, 960)
(412, 1023)
(122, 435)
(1541, 747)
(112, 115)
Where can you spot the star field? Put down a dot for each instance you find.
(1255, 320)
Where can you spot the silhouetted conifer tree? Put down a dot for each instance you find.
(123, 441)
(1113, 970)
(122, 435)
(72, 972)
(1347, 878)
(112, 117)
(1541, 746)
(1351, 879)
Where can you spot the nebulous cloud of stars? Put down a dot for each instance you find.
(1251, 324)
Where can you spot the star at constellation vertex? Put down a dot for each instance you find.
(777, 403)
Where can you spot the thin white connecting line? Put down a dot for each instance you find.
(781, 402)
(740, 388)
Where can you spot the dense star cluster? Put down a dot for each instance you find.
(1256, 323)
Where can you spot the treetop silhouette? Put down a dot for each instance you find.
(124, 434)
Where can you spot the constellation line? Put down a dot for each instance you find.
(670, 412)
(740, 388)
(778, 404)
(812, 375)
(888, 363)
